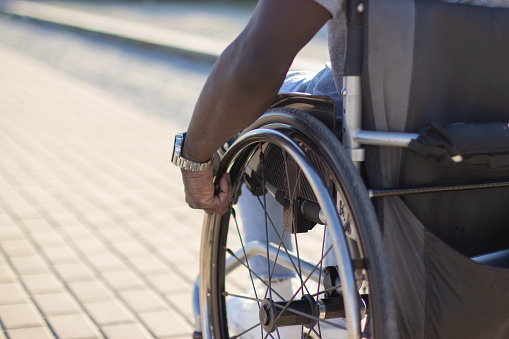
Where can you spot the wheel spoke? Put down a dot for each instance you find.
(262, 164)
(244, 250)
(300, 288)
(281, 242)
(242, 333)
(227, 294)
(230, 252)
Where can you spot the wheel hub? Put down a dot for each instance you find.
(305, 311)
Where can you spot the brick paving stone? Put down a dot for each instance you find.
(57, 303)
(156, 239)
(20, 315)
(141, 225)
(188, 271)
(48, 238)
(90, 246)
(17, 247)
(73, 326)
(116, 234)
(60, 255)
(184, 302)
(6, 274)
(22, 209)
(30, 264)
(126, 331)
(149, 265)
(143, 300)
(42, 283)
(90, 291)
(37, 226)
(77, 232)
(12, 293)
(31, 333)
(169, 282)
(58, 212)
(131, 249)
(9, 232)
(106, 262)
(126, 212)
(123, 280)
(109, 312)
(72, 272)
(177, 255)
(64, 218)
(166, 323)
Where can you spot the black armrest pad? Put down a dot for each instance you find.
(472, 141)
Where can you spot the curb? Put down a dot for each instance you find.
(202, 48)
(198, 47)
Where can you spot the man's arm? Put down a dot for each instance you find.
(242, 85)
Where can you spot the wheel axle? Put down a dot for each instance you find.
(305, 311)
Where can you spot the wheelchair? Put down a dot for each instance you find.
(398, 212)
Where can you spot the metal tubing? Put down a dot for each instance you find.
(254, 248)
(352, 110)
(352, 117)
(384, 138)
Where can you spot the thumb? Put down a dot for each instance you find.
(224, 188)
(215, 163)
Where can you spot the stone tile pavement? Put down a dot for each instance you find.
(95, 238)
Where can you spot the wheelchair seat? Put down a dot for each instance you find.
(441, 71)
(454, 70)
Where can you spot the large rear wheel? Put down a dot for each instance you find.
(322, 231)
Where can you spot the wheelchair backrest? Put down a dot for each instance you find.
(431, 62)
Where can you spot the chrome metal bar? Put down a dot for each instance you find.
(376, 138)
(196, 306)
(254, 248)
(352, 117)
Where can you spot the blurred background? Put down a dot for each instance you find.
(96, 240)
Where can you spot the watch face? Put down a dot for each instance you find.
(177, 147)
(178, 160)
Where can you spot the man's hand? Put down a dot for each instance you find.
(199, 188)
(242, 85)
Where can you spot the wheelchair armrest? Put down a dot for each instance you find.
(474, 143)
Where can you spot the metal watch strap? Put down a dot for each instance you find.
(194, 166)
(183, 162)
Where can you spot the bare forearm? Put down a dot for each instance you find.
(237, 92)
(248, 75)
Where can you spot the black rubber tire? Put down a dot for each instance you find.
(307, 130)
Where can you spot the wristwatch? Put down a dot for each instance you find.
(183, 162)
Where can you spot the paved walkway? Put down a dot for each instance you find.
(95, 239)
(198, 30)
